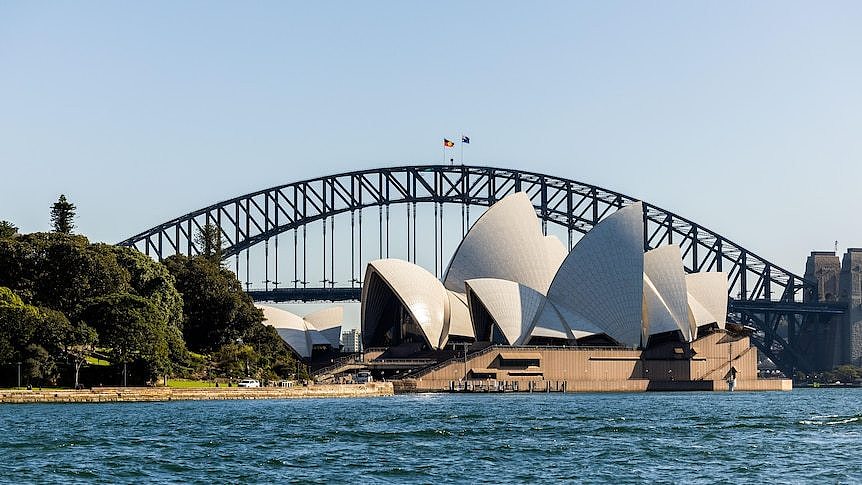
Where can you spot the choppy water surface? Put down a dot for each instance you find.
(801, 436)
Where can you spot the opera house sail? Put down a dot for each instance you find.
(403, 303)
(509, 284)
(600, 283)
(316, 332)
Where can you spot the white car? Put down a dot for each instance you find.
(248, 383)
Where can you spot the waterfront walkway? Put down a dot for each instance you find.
(147, 394)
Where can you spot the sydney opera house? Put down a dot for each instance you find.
(604, 316)
(318, 333)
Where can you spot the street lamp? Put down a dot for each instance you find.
(19, 374)
(240, 342)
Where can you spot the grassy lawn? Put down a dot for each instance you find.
(188, 383)
(97, 361)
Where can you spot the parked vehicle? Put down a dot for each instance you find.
(363, 377)
(248, 383)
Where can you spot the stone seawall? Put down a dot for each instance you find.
(152, 394)
(407, 386)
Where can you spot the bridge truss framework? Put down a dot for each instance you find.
(757, 287)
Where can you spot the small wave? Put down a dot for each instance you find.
(829, 420)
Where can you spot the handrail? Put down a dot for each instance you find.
(401, 361)
(336, 364)
(428, 370)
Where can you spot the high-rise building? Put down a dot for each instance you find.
(351, 341)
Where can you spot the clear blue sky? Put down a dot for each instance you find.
(743, 116)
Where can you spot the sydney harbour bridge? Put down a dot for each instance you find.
(310, 240)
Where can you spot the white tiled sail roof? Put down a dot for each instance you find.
(601, 279)
(512, 306)
(665, 292)
(506, 243)
(419, 291)
(710, 292)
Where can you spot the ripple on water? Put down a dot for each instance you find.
(801, 436)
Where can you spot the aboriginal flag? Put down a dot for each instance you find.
(448, 143)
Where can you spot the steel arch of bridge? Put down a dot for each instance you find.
(762, 294)
(254, 218)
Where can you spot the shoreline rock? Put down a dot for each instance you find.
(161, 394)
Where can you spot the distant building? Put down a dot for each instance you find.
(838, 281)
(352, 341)
(850, 291)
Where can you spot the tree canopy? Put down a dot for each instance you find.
(7, 229)
(132, 328)
(63, 215)
(216, 310)
(208, 241)
(33, 335)
(64, 299)
(77, 280)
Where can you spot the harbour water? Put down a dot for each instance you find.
(807, 435)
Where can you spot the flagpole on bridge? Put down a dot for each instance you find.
(447, 144)
(465, 140)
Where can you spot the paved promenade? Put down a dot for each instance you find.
(145, 394)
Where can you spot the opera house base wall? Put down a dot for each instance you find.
(632, 385)
(703, 365)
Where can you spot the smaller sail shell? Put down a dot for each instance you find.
(328, 322)
(419, 291)
(665, 292)
(512, 306)
(710, 291)
(460, 324)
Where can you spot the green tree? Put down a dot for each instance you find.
(275, 355)
(236, 359)
(81, 344)
(60, 271)
(73, 272)
(17, 323)
(134, 329)
(68, 273)
(845, 373)
(63, 215)
(216, 310)
(39, 365)
(152, 280)
(7, 230)
(33, 335)
(17, 267)
(22, 325)
(8, 297)
(208, 241)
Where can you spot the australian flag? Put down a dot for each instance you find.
(465, 139)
